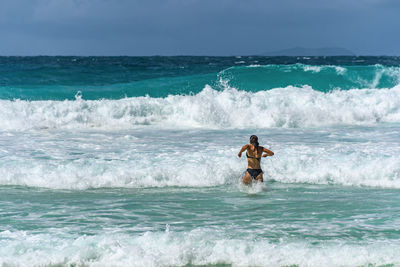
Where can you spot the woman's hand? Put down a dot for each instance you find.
(241, 150)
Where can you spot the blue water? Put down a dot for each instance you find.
(132, 161)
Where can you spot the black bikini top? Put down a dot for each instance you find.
(247, 155)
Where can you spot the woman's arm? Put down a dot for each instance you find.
(268, 152)
(243, 149)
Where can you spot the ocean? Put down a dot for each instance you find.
(132, 161)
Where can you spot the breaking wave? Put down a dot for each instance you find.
(290, 107)
(197, 247)
(338, 165)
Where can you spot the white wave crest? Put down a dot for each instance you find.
(316, 69)
(295, 164)
(360, 168)
(289, 107)
(195, 171)
(197, 247)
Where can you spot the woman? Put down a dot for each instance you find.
(254, 152)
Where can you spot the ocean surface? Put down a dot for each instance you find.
(132, 161)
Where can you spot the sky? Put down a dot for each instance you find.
(196, 27)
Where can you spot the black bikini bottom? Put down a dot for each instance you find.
(254, 172)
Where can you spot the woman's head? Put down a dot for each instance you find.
(254, 140)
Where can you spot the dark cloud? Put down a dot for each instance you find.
(212, 27)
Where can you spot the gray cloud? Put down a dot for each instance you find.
(212, 27)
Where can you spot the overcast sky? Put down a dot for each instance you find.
(196, 27)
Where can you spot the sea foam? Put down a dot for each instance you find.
(345, 164)
(196, 247)
(290, 107)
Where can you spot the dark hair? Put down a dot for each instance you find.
(254, 141)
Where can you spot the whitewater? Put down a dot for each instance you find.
(133, 161)
(289, 107)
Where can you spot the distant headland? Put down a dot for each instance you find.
(302, 51)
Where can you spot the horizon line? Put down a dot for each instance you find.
(188, 55)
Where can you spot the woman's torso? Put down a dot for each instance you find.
(254, 157)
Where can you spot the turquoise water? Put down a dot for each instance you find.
(282, 225)
(133, 161)
(59, 78)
